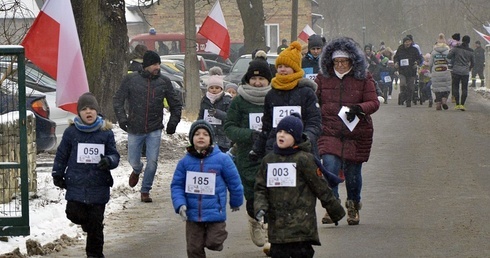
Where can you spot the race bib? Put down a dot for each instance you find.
(255, 121)
(280, 112)
(311, 76)
(211, 119)
(200, 183)
(404, 62)
(281, 175)
(89, 152)
(387, 79)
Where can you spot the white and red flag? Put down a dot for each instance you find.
(487, 28)
(306, 33)
(214, 29)
(52, 44)
(486, 37)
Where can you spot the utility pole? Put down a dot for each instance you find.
(191, 74)
(294, 20)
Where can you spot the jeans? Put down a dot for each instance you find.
(352, 173)
(464, 87)
(135, 143)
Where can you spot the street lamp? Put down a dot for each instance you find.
(363, 35)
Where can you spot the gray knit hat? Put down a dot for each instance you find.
(198, 124)
(87, 100)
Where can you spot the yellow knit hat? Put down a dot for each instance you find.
(291, 56)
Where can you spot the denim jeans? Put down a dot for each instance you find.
(135, 144)
(352, 173)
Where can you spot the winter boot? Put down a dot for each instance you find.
(326, 219)
(444, 103)
(430, 103)
(438, 106)
(353, 212)
(257, 232)
(473, 84)
(482, 84)
(267, 246)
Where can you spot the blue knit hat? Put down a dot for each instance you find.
(293, 125)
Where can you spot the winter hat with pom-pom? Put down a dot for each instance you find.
(293, 125)
(258, 67)
(291, 56)
(456, 36)
(441, 38)
(215, 70)
(215, 80)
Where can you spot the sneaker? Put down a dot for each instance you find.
(133, 179)
(353, 212)
(145, 197)
(389, 96)
(256, 232)
(326, 219)
(461, 107)
(457, 107)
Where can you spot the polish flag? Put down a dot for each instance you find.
(214, 29)
(486, 37)
(52, 44)
(487, 28)
(306, 33)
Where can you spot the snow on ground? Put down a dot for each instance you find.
(47, 217)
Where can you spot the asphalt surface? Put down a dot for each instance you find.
(425, 194)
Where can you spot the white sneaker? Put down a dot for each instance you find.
(267, 249)
(389, 96)
(257, 232)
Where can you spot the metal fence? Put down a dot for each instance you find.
(14, 193)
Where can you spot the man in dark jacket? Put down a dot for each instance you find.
(479, 67)
(406, 60)
(145, 92)
(463, 61)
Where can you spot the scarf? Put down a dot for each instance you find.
(213, 97)
(341, 75)
(81, 126)
(204, 153)
(254, 95)
(287, 151)
(288, 81)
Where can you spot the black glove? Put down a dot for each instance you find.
(104, 162)
(353, 111)
(171, 128)
(124, 126)
(253, 156)
(255, 135)
(59, 182)
(212, 112)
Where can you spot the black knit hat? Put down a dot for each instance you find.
(293, 125)
(456, 36)
(151, 58)
(315, 41)
(258, 67)
(466, 39)
(87, 100)
(198, 124)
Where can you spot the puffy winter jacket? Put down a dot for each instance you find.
(85, 182)
(207, 208)
(221, 106)
(144, 94)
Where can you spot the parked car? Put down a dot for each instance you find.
(39, 83)
(240, 67)
(36, 103)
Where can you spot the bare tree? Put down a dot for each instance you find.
(15, 20)
(104, 40)
(252, 13)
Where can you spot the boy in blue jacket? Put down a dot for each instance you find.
(82, 166)
(199, 189)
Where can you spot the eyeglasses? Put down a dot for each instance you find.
(341, 62)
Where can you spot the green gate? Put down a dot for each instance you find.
(14, 193)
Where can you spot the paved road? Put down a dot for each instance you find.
(426, 194)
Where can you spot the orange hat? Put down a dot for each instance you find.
(291, 57)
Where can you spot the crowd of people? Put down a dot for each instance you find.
(284, 137)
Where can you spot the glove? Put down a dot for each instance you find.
(171, 128)
(353, 111)
(104, 162)
(123, 126)
(212, 111)
(260, 215)
(255, 135)
(233, 209)
(182, 212)
(254, 156)
(59, 182)
(335, 211)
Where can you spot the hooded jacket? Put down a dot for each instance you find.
(85, 182)
(355, 88)
(440, 74)
(462, 58)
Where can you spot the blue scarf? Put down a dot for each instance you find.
(81, 126)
